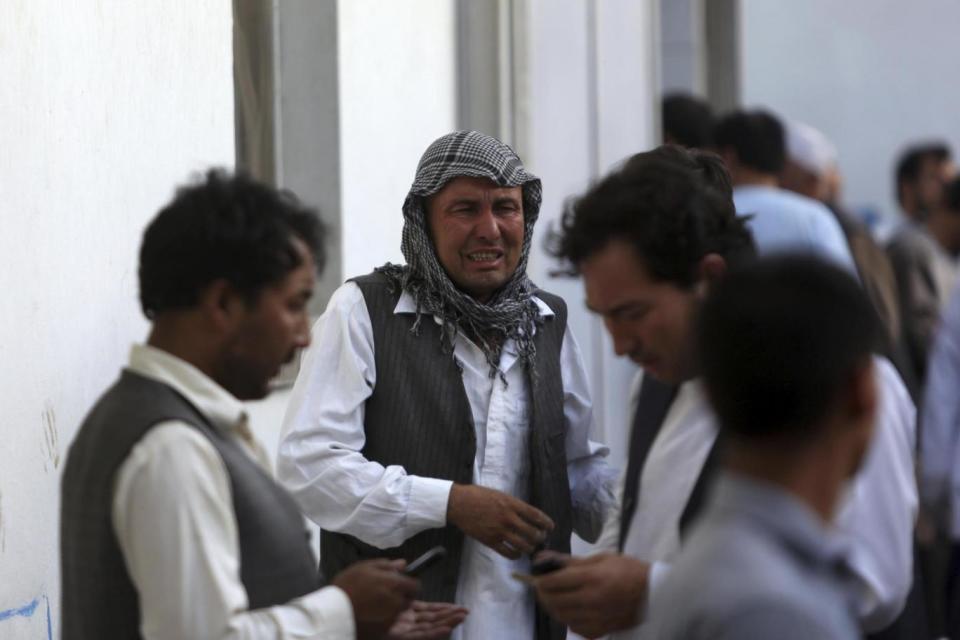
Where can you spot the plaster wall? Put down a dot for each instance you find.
(105, 107)
(873, 75)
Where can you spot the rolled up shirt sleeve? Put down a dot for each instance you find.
(319, 459)
(185, 563)
(593, 482)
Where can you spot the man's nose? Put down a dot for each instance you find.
(488, 226)
(623, 340)
(302, 336)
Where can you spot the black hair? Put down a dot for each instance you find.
(757, 138)
(673, 205)
(777, 342)
(951, 195)
(912, 160)
(687, 120)
(224, 226)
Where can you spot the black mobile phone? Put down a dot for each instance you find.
(548, 565)
(424, 562)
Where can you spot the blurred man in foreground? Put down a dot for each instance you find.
(171, 525)
(795, 400)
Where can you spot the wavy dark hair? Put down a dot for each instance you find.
(674, 205)
(223, 226)
(756, 137)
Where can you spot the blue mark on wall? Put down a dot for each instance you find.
(27, 611)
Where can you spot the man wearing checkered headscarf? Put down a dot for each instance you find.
(511, 313)
(444, 401)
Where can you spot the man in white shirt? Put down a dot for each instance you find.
(172, 526)
(649, 240)
(796, 403)
(753, 147)
(458, 411)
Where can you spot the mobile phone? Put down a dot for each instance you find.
(424, 562)
(547, 565)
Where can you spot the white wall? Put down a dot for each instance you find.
(872, 74)
(397, 94)
(103, 110)
(590, 102)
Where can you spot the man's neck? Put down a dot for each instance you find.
(942, 228)
(805, 476)
(168, 335)
(747, 177)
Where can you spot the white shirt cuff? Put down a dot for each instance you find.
(335, 611)
(427, 508)
(658, 573)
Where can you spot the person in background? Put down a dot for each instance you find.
(459, 411)
(795, 400)
(753, 148)
(923, 249)
(940, 450)
(171, 524)
(687, 121)
(811, 170)
(650, 240)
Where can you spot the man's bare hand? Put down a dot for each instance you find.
(509, 526)
(427, 621)
(378, 593)
(596, 595)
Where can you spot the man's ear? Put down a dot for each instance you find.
(862, 398)
(221, 304)
(712, 269)
(860, 409)
(729, 157)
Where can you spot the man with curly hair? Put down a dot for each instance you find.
(650, 240)
(171, 524)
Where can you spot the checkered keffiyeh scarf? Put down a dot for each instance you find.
(511, 312)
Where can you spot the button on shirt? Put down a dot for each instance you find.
(319, 457)
(173, 515)
(875, 517)
(760, 564)
(784, 221)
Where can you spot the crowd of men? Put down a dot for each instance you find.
(771, 486)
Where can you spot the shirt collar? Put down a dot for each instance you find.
(406, 304)
(213, 401)
(790, 521)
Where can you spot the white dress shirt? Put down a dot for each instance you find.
(940, 444)
(320, 460)
(875, 518)
(786, 221)
(173, 515)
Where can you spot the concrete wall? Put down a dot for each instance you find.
(872, 74)
(397, 94)
(590, 102)
(104, 108)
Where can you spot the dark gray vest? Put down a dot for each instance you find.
(419, 417)
(99, 600)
